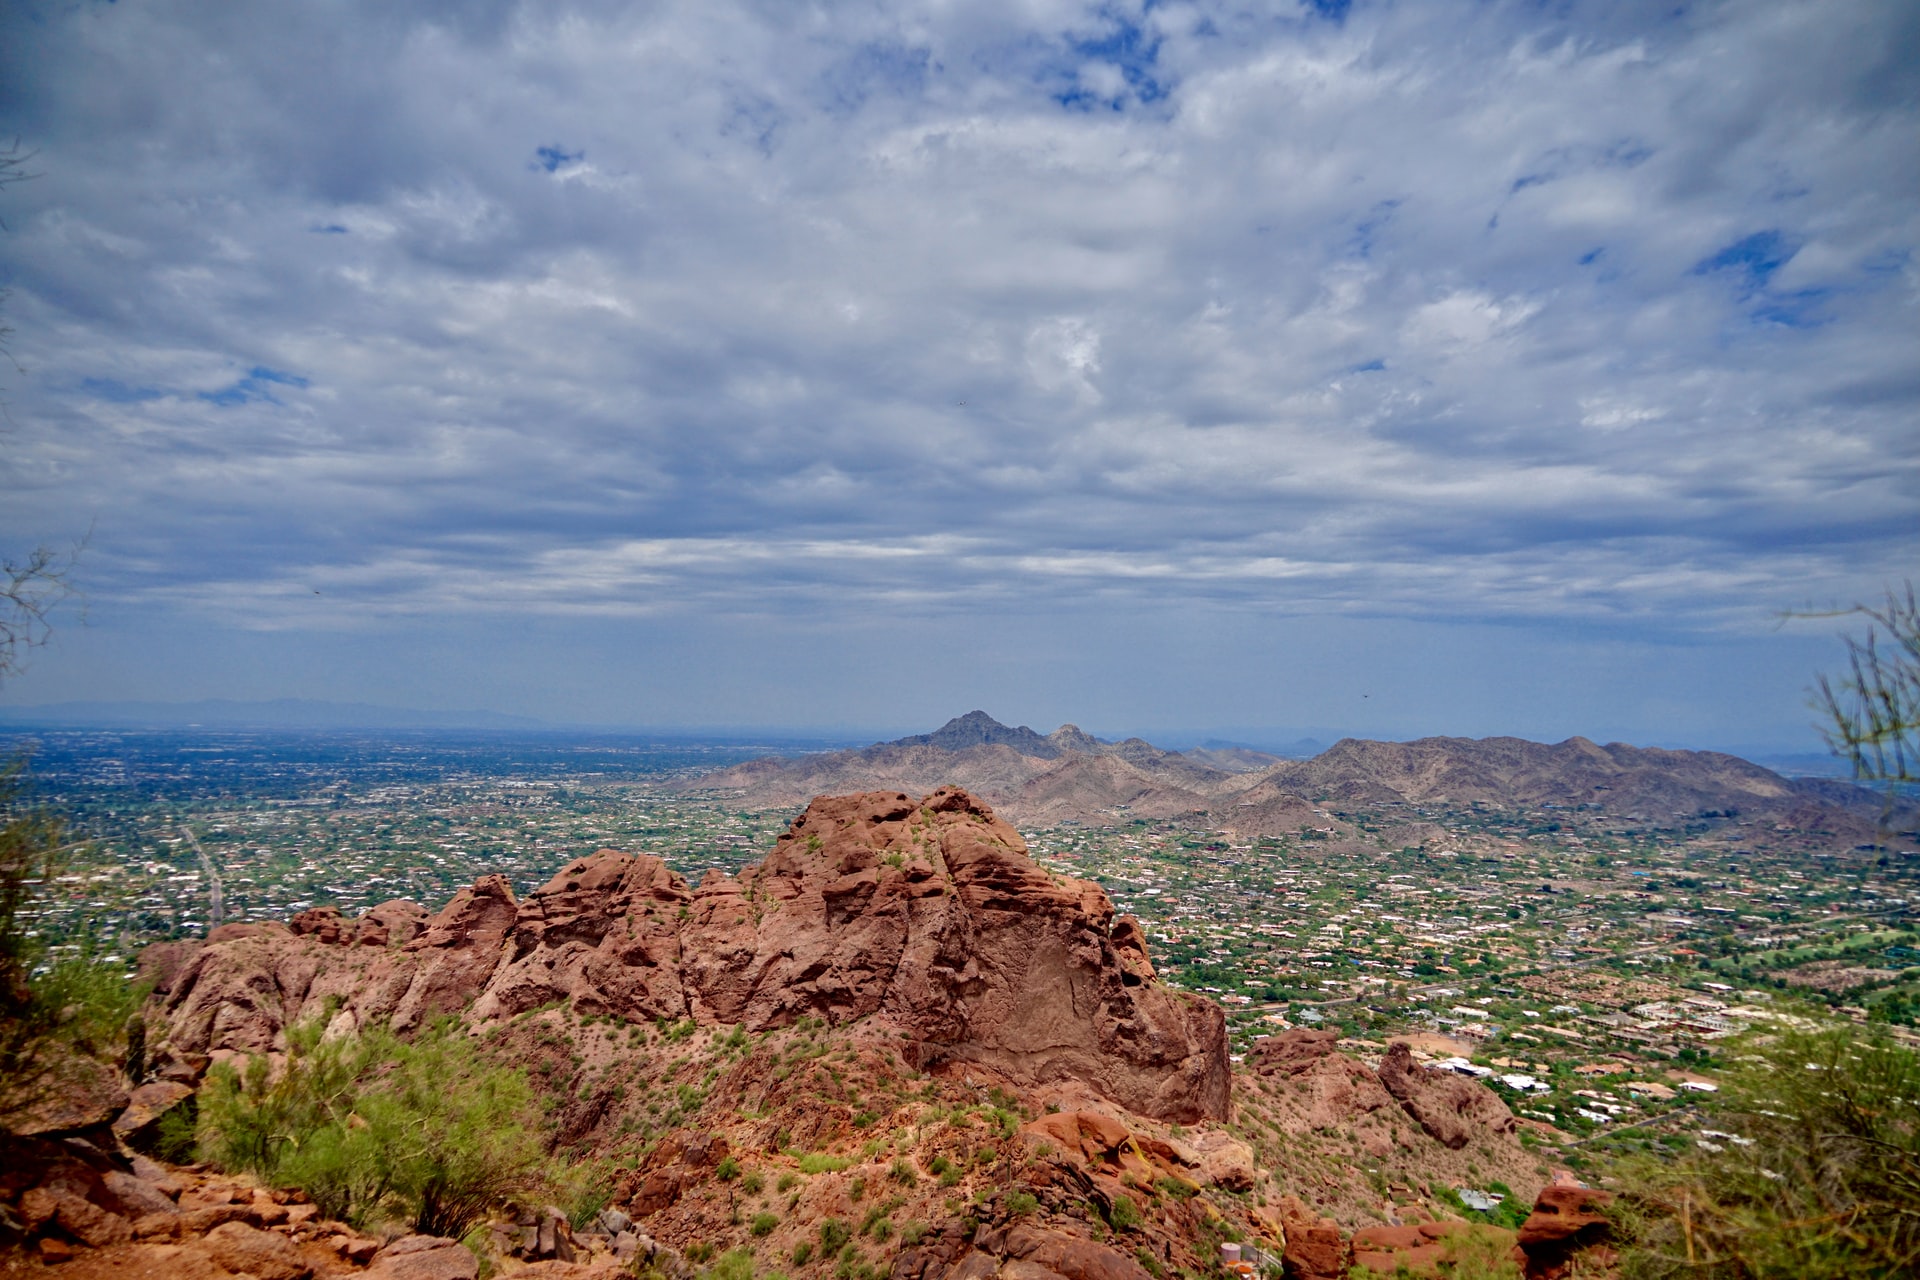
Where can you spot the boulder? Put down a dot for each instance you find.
(1451, 1108)
(424, 1258)
(1033, 1253)
(137, 1196)
(246, 1250)
(146, 1105)
(1225, 1161)
(1566, 1220)
(74, 1094)
(1315, 1249)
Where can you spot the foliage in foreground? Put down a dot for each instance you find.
(59, 1019)
(371, 1125)
(1820, 1178)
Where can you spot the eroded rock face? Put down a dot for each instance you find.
(1334, 1092)
(1565, 1221)
(924, 914)
(1452, 1109)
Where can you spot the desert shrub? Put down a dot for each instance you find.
(802, 1253)
(1124, 1216)
(60, 1020)
(820, 1162)
(834, 1233)
(727, 1170)
(753, 1182)
(1022, 1203)
(763, 1223)
(857, 1191)
(1145, 1258)
(902, 1172)
(734, 1264)
(174, 1137)
(788, 1181)
(1825, 1184)
(370, 1124)
(912, 1233)
(1176, 1188)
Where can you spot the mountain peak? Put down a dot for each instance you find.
(976, 729)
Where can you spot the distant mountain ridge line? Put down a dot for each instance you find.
(1069, 775)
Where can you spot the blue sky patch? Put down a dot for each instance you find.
(1753, 259)
(1129, 48)
(257, 385)
(115, 391)
(552, 158)
(330, 229)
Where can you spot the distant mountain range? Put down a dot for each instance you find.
(1068, 775)
(279, 713)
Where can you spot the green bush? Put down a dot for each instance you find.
(763, 1224)
(371, 1125)
(802, 1252)
(1124, 1216)
(1022, 1203)
(61, 1021)
(834, 1233)
(820, 1162)
(734, 1264)
(1825, 1185)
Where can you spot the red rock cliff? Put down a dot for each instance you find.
(925, 915)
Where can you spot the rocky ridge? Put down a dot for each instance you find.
(1040, 780)
(924, 916)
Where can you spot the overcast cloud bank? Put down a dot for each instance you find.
(1597, 320)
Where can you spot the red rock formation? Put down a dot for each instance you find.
(1315, 1248)
(1331, 1090)
(926, 915)
(1451, 1108)
(1565, 1221)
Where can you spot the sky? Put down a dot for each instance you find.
(1412, 368)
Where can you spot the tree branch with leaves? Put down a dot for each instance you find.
(1871, 713)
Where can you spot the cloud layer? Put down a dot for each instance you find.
(350, 314)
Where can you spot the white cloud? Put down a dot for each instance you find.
(1438, 312)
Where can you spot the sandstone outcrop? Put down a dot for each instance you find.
(925, 915)
(1451, 1108)
(1566, 1220)
(1315, 1248)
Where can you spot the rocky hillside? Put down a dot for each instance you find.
(896, 1047)
(924, 919)
(1038, 780)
